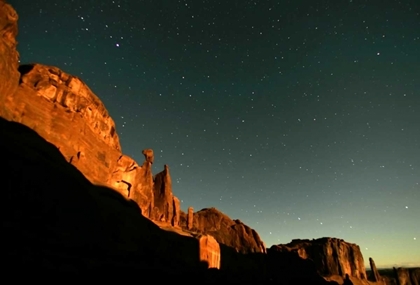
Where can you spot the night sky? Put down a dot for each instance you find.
(300, 118)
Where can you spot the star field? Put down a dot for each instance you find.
(300, 118)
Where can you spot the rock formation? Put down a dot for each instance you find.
(209, 251)
(331, 256)
(407, 276)
(63, 110)
(374, 274)
(232, 233)
(148, 155)
(9, 57)
(190, 218)
(166, 206)
(58, 224)
(287, 267)
(63, 163)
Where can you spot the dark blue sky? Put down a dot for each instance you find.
(300, 118)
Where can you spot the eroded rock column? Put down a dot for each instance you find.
(190, 218)
(375, 277)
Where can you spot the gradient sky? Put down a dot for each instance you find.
(300, 118)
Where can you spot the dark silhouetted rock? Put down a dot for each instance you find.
(287, 267)
(407, 276)
(347, 280)
(374, 274)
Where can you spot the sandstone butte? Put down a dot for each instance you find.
(62, 109)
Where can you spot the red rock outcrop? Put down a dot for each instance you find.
(190, 218)
(209, 251)
(9, 57)
(232, 233)
(331, 256)
(63, 110)
(166, 206)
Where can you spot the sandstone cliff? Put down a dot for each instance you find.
(63, 110)
(330, 256)
(232, 233)
(9, 56)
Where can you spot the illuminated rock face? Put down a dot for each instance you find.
(9, 57)
(232, 233)
(166, 205)
(331, 256)
(64, 111)
(209, 251)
